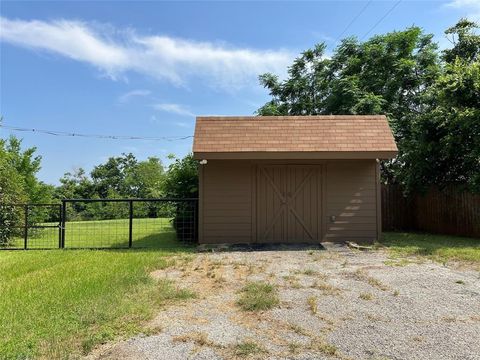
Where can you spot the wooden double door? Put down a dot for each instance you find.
(289, 203)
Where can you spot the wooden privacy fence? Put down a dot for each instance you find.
(447, 211)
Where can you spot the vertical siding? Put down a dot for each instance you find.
(449, 211)
(397, 211)
(228, 205)
(226, 197)
(289, 203)
(351, 196)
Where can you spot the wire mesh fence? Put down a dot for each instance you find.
(99, 223)
(30, 226)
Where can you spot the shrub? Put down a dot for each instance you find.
(11, 192)
(181, 181)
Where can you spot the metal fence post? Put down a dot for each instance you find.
(63, 219)
(130, 224)
(195, 214)
(25, 234)
(60, 226)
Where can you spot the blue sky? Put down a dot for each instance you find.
(147, 68)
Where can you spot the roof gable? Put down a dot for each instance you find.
(340, 134)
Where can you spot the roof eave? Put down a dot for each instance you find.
(295, 155)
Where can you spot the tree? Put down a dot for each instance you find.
(181, 180)
(12, 193)
(27, 165)
(466, 44)
(145, 178)
(75, 185)
(119, 177)
(402, 75)
(109, 178)
(445, 145)
(125, 176)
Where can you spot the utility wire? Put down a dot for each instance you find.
(96, 136)
(362, 10)
(381, 19)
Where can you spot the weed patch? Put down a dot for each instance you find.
(312, 304)
(294, 347)
(258, 296)
(320, 345)
(248, 348)
(326, 288)
(199, 338)
(361, 275)
(366, 296)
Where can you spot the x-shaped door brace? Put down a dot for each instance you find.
(285, 201)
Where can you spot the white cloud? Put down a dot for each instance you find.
(176, 109)
(118, 51)
(182, 124)
(134, 93)
(472, 7)
(324, 37)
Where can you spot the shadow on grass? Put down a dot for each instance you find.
(162, 241)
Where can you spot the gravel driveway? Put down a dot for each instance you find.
(334, 304)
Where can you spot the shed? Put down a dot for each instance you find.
(290, 179)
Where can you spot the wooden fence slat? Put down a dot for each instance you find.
(447, 211)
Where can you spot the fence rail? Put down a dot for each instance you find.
(448, 211)
(99, 223)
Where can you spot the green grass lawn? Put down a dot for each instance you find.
(56, 303)
(148, 233)
(440, 248)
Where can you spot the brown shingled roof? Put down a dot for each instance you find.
(369, 135)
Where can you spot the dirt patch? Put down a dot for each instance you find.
(337, 303)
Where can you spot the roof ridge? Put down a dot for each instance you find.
(293, 117)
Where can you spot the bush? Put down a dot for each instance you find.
(11, 192)
(185, 221)
(181, 181)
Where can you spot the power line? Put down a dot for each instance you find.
(95, 136)
(381, 19)
(354, 19)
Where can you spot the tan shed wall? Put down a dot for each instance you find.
(226, 193)
(228, 204)
(351, 196)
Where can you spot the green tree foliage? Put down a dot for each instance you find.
(110, 178)
(445, 145)
(11, 192)
(27, 165)
(182, 178)
(119, 177)
(466, 43)
(18, 185)
(181, 181)
(75, 185)
(144, 180)
(430, 98)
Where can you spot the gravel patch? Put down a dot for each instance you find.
(367, 308)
